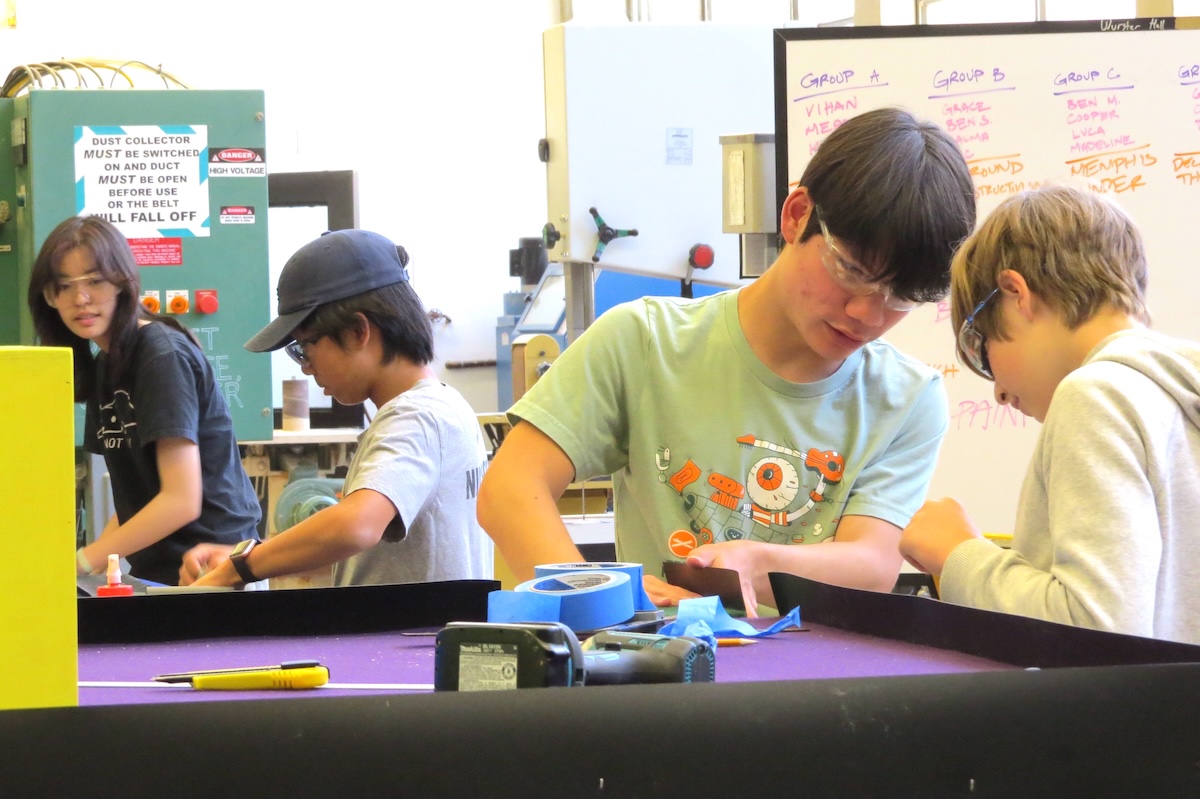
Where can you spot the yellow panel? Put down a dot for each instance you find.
(38, 638)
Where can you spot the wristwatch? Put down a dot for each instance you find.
(238, 558)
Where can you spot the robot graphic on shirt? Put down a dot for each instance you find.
(116, 421)
(763, 508)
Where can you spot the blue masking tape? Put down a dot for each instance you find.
(640, 600)
(582, 600)
(709, 611)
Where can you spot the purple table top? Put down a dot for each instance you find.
(819, 652)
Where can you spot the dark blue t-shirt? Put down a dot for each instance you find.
(170, 392)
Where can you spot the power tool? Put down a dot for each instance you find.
(617, 658)
(480, 656)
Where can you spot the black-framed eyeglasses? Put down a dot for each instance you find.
(973, 344)
(296, 350)
(849, 277)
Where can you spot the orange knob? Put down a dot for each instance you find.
(152, 304)
(179, 304)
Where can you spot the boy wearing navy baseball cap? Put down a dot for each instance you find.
(349, 317)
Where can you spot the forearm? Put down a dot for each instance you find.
(155, 521)
(322, 539)
(527, 529)
(853, 564)
(530, 535)
(518, 501)
(1103, 596)
(177, 504)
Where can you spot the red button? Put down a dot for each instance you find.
(701, 256)
(206, 301)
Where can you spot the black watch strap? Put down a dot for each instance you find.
(238, 559)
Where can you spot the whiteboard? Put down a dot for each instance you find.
(1114, 105)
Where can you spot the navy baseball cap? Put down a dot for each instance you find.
(338, 265)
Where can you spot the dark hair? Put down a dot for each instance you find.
(898, 192)
(396, 310)
(115, 262)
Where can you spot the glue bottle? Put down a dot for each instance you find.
(114, 587)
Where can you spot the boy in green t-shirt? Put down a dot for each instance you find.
(740, 424)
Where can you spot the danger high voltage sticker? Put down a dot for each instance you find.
(237, 162)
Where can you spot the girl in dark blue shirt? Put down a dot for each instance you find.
(154, 410)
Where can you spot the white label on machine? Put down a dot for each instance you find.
(487, 667)
(737, 187)
(679, 146)
(150, 181)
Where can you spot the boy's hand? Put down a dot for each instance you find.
(742, 557)
(662, 593)
(935, 530)
(200, 560)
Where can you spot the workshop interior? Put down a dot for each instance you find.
(541, 163)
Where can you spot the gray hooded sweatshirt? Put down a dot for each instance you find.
(1108, 527)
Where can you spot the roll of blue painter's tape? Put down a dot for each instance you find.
(582, 600)
(640, 599)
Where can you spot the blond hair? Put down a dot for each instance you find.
(1077, 250)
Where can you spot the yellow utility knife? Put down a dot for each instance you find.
(292, 674)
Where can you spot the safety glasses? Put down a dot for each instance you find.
(297, 352)
(94, 287)
(849, 276)
(973, 344)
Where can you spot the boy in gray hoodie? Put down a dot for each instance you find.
(1048, 300)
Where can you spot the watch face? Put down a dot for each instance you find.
(238, 558)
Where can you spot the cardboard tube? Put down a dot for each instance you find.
(295, 404)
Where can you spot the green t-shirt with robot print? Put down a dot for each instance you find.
(705, 443)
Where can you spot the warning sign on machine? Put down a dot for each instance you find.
(151, 181)
(237, 162)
